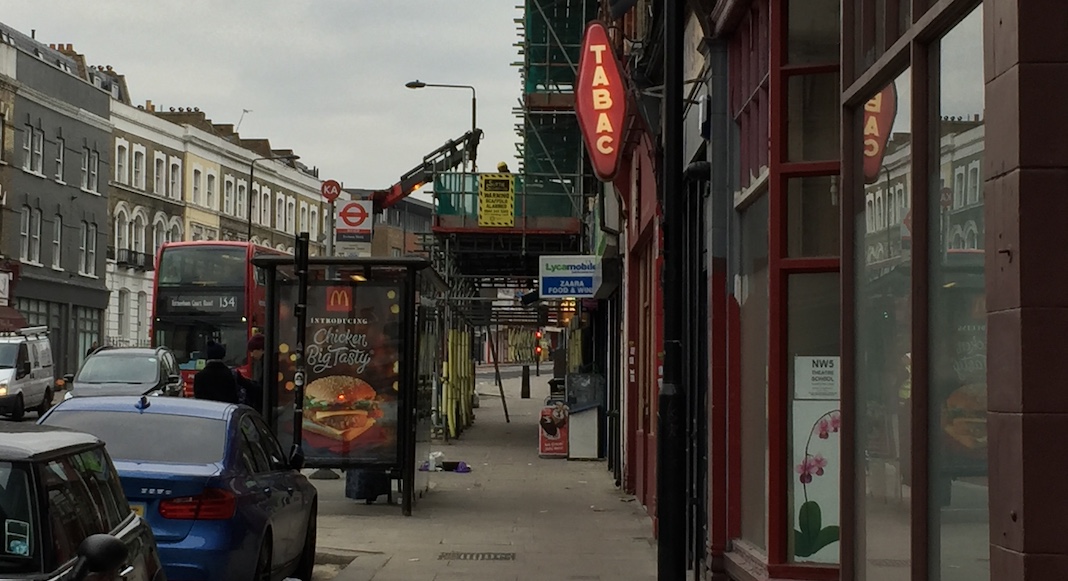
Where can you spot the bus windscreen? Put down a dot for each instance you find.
(207, 266)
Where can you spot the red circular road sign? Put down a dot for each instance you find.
(353, 214)
(330, 190)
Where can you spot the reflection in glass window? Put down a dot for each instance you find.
(883, 373)
(751, 292)
(958, 502)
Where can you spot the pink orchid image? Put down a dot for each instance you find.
(836, 422)
(824, 428)
(806, 468)
(820, 463)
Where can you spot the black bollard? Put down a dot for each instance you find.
(524, 391)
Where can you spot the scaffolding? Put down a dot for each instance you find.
(552, 157)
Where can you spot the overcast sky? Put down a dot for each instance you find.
(322, 77)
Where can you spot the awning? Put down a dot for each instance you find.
(11, 320)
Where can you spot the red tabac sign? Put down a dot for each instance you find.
(879, 114)
(600, 101)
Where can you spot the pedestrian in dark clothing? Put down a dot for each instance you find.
(251, 388)
(215, 382)
(92, 348)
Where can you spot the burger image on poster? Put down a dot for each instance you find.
(340, 407)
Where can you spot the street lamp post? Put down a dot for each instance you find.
(417, 84)
(251, 174)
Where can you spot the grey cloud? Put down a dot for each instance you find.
(323, 77)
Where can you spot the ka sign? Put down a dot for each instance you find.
(600, 101)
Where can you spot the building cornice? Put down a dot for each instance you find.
(63, 107)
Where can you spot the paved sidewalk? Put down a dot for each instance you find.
(553, 519)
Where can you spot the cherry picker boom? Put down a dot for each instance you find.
(454, 153)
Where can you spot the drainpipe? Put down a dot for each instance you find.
(671, 485)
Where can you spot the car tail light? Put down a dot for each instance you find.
(212, 504)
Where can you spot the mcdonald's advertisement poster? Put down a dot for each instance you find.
(352, 364)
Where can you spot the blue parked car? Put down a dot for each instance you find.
(223, 500)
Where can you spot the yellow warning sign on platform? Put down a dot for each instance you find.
(496, 200)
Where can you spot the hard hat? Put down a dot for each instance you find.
(502, 166)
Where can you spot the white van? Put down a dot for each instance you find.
(27, 376)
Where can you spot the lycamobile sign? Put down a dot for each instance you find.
(575, 276)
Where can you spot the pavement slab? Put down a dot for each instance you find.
(515, 516)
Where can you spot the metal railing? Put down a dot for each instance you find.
(131, 258)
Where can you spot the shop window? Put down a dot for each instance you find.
(751, 292)
(813, 117)
(813, 32)
(883, 360)
(878, 25)
(813, 368)
(812, 222)
(748, 54)
(959, 517)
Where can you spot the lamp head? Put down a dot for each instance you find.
(415, 84)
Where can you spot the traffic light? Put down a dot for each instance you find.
(537, 334)
(537, 350)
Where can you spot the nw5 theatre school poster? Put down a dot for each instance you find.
(352, 364)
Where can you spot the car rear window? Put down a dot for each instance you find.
(136, 437)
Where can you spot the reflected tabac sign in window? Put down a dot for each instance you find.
(879, 114)
(600, 101)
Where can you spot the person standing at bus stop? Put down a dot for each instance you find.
(215, 382)
(250, 389)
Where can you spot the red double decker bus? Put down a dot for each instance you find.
(208, 291)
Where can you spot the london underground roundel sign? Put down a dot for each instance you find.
(601, 101)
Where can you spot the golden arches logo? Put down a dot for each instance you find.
(339, 298)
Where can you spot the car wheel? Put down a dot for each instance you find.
(263, 561)
(46, 403)
(307, 556)
(18, 411)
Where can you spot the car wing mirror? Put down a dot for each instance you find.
(99, 553)
(68, 379)
(296, 458)
(174, 379)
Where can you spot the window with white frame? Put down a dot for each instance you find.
(280, 214)
(122, 231)
(24, 234)
(159, 176)
(139, 170)
(94, 167)
(228, 197)
(974, 186)
(137, 234)
(87, 250)
(121, 154)
(159, 235)
(958, 187)
(3, 136)
(84, 169)
(57, 243)
(243, 200)
(142, 312)
(196, 187)
(175, 234)
(27, 147)
(120, 311)
(313, 224)
(209, 192)
(302, 225)
(265, 207)
(176, 181)
(37, 163)
(60, 154)
(35, 236)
